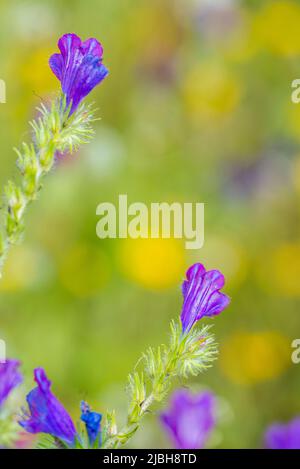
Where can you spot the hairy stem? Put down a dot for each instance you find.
(186, 355)
(53, 132)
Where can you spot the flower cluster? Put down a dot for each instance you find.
(48, 415)
(78, 67)
(190, 418)
(65, 125)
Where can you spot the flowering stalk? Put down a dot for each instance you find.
(63, 127)
(55, 131)
(187, 355)
(190, 351)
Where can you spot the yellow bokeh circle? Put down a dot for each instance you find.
(249, 358)
(153, 263)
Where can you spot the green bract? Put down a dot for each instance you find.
(53, 132)
(186, 355)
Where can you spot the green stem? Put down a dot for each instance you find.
(54, 131)
(133, 422)
(186, 355)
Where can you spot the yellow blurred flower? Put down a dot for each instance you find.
(276, 27)
(156, 32)
(243, 45)
(84, 270)
(35, 80)
(153, 263)
(252, 358)
(35, 71)
(286, 269)
(278, 272)
(210, 92)
(22, 269)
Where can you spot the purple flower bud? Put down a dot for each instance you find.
(47, 414)
(78, 67)
(10, 377)
(201, 295)
(284, 436)
(190, 419)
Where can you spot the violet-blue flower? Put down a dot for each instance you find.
(92, 422)
(190, 419)
(78, 67)
(284, 436)
(202, 296)
(10, 377)
(47, 414)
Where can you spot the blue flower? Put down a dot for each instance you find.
(92, 422)
(78, 67)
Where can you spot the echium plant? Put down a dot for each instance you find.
(62, 126)
(190, 351)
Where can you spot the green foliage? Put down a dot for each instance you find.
(9, 431)
(50, 442)
(47, 442)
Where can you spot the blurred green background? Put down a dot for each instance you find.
(197, 108)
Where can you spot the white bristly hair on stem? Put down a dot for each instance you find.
(186, 355)
(54, 131)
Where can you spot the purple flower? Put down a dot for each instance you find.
(78, 67)
(190, 419)
(284, 436)
(201, 295)
(92, 422)
(47, 414)
(10, 377)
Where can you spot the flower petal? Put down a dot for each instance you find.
(189, 419)
(47, 414)
(92, 46)
(78, 67)
(10, 377)
(201, 295)
(56, 64)
(89, 75)
(92, 422)
(284, 436)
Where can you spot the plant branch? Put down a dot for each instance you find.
(187, 355)
(53, 132)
